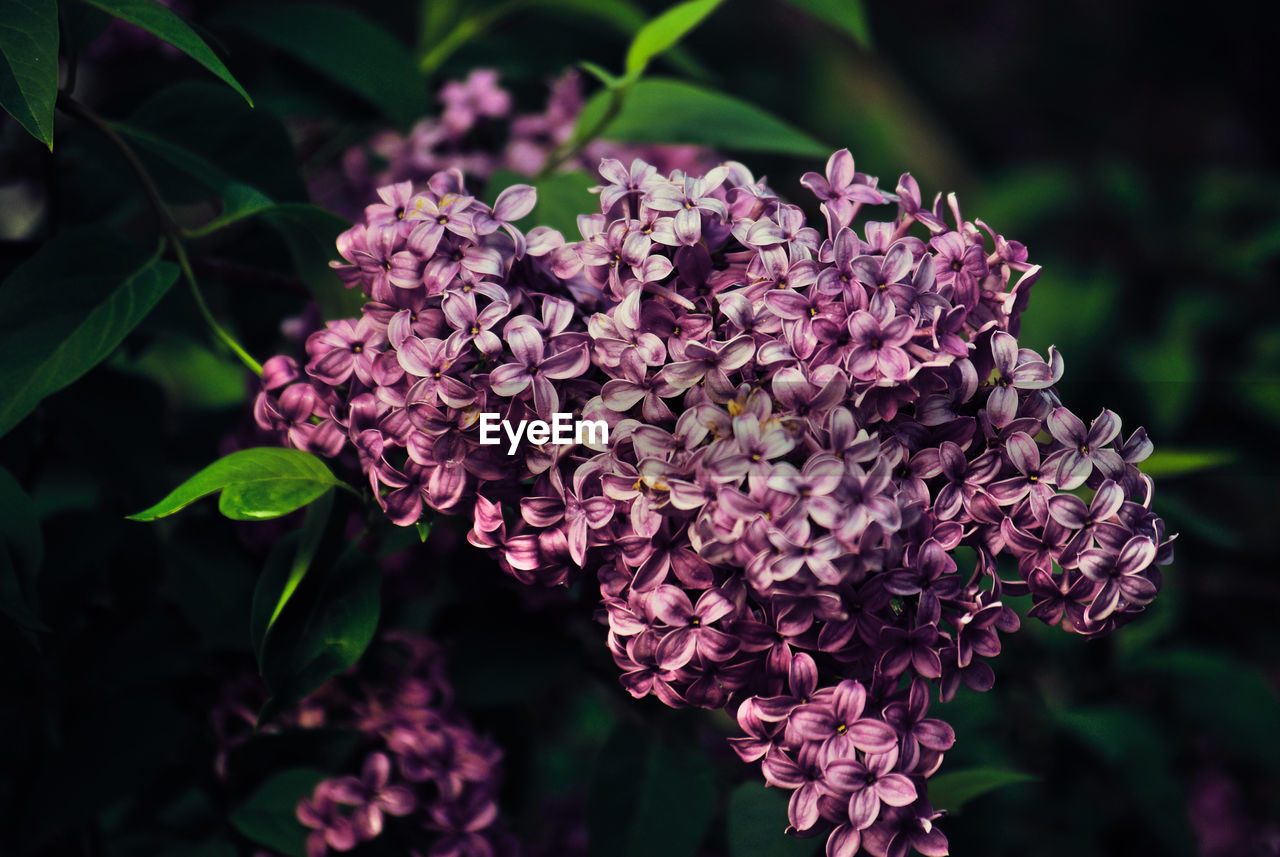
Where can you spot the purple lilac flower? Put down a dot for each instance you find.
(450, 140)
(425, 768)
(785, 479)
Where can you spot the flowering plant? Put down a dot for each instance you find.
(804, 425)
(606, 498)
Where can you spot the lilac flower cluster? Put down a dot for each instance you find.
(805, 426)
(424, 763)
(478, 132)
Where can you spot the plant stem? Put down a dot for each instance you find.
(168, 226)
(218, 330)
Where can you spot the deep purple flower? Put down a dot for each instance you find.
(837, 725)
(870, 784)
(1084, 449)
(1122, 576)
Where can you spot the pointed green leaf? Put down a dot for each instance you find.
(344, 46)
(163, 23)
(848, 16)
(610, 81)
(266, 592)
(952, 790)
(308, 543)
(663, 32)
(623, 17)
(29, 64)
(269, 816)
(65, 310)
(323, 629)
(1183, 462)
(256, 484)
(658, 110)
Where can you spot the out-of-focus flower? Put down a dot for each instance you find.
(425, 764)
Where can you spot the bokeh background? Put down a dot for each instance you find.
(1130, 146)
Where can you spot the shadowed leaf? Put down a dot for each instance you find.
(344, 46)
(658, 110)
(952, 790)
(269, 816)
(65, 310)
(29, 64)
(164, 23)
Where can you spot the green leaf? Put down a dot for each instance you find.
(251, 146)
(757, 822)
(239, 199)
(191, 374)
(437, 16)
(610, 81)
(561, 198)
(269, 816)
(256, 484)
(443, 33)
(308, 544)
(952, 790)
(658, 110)
(309, 231)
(664, 31)
(163, 23)
(344, 46)
(848, 16)
(623, 17)
(1166, 462)
(64, 310)
(648, 797)
(271, 582)
(323, 629)
(29, 64)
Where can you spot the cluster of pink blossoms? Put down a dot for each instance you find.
(423, 764)
(804, 425)
(478, 131)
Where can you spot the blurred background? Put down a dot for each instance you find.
(1128, 145)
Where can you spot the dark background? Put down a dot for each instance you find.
(1130, 146)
